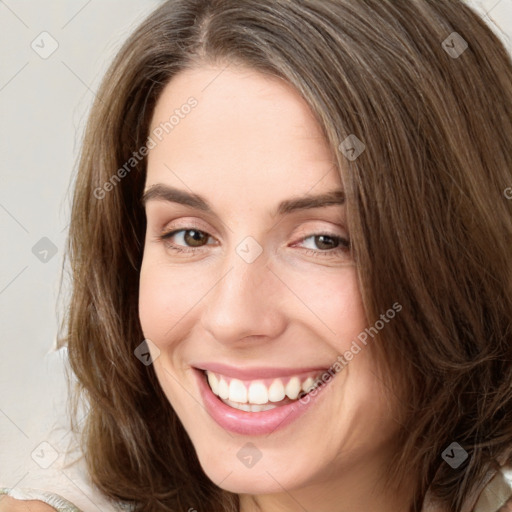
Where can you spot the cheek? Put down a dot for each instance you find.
(331, 301)
(153, 301)
(165, 298)
(163, 301)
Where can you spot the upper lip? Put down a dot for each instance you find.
(256, 372)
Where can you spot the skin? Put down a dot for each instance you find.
(9, 504)
(251, 143)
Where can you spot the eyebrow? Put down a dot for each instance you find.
(166, 193)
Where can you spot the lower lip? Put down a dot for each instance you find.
(253, 423)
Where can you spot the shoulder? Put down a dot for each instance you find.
(10, 504)
(497, 493)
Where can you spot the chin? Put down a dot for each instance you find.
(262, 478)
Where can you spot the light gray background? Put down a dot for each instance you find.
(44, 102)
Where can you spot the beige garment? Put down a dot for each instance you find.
(497, 493)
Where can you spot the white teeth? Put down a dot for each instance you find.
(260, 408)
(276, 391)
(258, 393)
(214, 383)
(249, 407)
(223, 389)
(308, 385)
(237, 391)
(293, 388)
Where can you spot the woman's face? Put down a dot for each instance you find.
(245, 288)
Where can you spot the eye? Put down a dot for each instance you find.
(328, 245)
(327, 242)
(185, 240)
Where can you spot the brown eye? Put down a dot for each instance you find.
(187, 238)
(195, 238)
(326, 245)
(326, 242)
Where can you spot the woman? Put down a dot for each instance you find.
(289, 245)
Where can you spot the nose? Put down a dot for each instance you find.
(245, 303)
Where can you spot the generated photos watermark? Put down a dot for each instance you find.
(343, 359)
(157, 135)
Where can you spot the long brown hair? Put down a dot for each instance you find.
(430, 226)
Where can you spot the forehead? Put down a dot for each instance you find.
(246, 131)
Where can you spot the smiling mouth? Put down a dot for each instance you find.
(258, 401)
(261, 394)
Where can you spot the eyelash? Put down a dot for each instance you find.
(344, 244)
